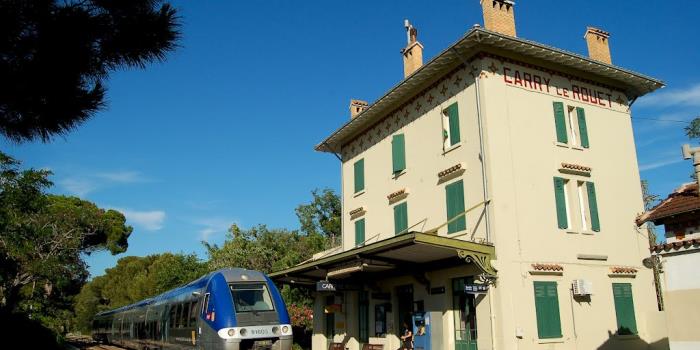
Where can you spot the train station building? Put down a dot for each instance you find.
(490, 197)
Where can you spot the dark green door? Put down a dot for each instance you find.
(465, 315)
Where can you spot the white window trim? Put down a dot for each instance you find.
(583, 205)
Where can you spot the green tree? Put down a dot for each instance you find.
(322, 215)
(693, 129)
(133, 279)
(56, 54)
(43, 237)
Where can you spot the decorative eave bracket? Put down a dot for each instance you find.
(481, 260)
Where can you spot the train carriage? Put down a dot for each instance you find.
(232, 309)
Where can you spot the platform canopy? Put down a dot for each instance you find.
(409, 253)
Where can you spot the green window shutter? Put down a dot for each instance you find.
(560, 122)
(582, 129)
(453, 115)
(360, 175)
(624, 308)
(455, 206)
(400, 217)
(359, 231)
(547, 310)
(560, 197)
(593, 206)
(398, 153)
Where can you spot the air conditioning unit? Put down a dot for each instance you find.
(582, 287)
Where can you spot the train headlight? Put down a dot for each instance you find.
(231, 332)
(275, 330)
(285, 329)
(243, 332)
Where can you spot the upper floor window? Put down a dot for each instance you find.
(570, 123)
(398, 153)
(454, 193)
(400, 218)
(359, 232)
(450, 126)
(577, 205)
(359, 175)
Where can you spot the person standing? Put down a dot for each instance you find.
(406, 337)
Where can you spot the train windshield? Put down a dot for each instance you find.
(251, 297)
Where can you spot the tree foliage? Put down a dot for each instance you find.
(43, 236)
(133, 279)
(693, 129)
(56, 54)
(322, 215)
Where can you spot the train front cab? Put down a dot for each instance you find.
(244, 310)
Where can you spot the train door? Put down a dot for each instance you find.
(405, 307)
(464, 315)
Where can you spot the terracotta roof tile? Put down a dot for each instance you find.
(623, 270)
(682, 200)
(576, 167)
(547, 267)
(450, 170)
(396, 194)
(695, 242)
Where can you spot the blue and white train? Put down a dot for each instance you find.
(232, 309)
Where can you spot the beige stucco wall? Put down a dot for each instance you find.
(522, 156)
(682, 298)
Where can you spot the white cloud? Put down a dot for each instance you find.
(78, 186)
(677, 97)
(122, 176)
(148, 220)
(213, 227)
(81, 185)
(658, 164)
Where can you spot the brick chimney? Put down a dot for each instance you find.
(413, 52)
(499, 16)
(356, 107)
(598, 48)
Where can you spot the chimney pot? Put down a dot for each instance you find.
(357, 107)
(499, 16)
(598, 46)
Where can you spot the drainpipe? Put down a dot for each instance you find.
(484, 181)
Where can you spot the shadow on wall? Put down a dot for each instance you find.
(632, 342)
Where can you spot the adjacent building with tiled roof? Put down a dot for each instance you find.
(679, 213)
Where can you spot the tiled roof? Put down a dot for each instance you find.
(357, 210)
(695, 242)
(450, 170)
(547, 267)
(623, 270)
(682, 200)
(396, 194)
(576, 167)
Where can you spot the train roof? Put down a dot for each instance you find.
(230, 274)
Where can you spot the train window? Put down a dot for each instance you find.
(178, 316)
(173, 312)
(205, 304)
(193, 313)
(183, 315)
(249, 297)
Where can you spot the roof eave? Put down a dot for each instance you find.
(640, 83)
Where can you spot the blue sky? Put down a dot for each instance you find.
(224, 130)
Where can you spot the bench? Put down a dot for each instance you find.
(372, 347)
(336, 346)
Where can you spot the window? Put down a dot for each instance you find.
(400, 218)
(251, 297)
(363, 316)
(624, 308)
(454, 193)
(576, 199)
(398, 154)
(570, 123)
(360, 175)
(450, 126)
(547, 310)
(359, 232)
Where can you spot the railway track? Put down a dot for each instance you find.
(75, 342)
